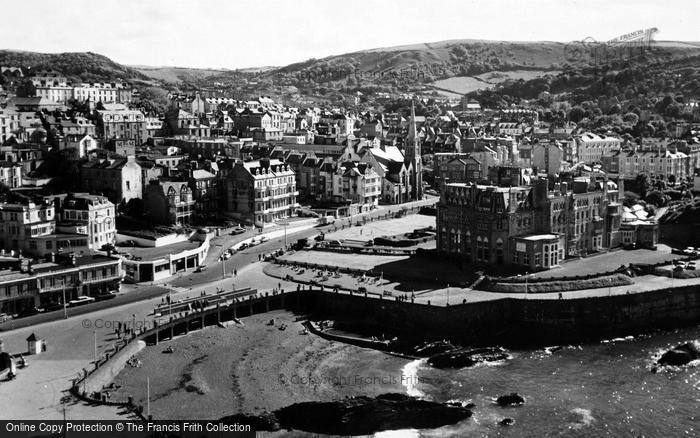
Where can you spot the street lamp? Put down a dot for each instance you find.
(65, 305)
(285, 223)
(223, 262)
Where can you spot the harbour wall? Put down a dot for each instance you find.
(511, 321)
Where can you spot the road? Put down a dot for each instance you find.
(142, 292)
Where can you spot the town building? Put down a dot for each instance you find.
(78, 145)
(261, 191)
(530, 226)
(10, 174)
(547, 157)
(29, 227)
(93, 215)
(122, 124)
(117, 178)
(591, 147)
(168, 202)
(357, 183)
(62, 278)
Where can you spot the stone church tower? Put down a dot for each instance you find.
(412, 155)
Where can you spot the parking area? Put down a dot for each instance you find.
(389, 227)
(609, 261)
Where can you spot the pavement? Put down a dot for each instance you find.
(424, 294)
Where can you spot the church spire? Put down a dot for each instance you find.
(412, 130)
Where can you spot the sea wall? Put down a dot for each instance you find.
(110, 367)
(513, 321)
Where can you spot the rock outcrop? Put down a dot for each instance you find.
(465, 358)
(512, 399)
(358, 415)
(681, 354)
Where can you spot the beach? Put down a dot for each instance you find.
(253, 368)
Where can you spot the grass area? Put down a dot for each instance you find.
(556, 285)
(466, 84)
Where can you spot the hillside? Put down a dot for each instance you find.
(494, 71)
(77, 66)
(425, 63)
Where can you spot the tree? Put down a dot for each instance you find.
(657, 198)
(643, 183)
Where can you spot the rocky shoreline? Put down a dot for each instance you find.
(358, 415)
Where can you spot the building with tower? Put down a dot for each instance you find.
(412, 154)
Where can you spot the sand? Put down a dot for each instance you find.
(254, 368)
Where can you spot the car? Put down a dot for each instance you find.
(263, 239)
(690, 266)
(201, 268)
(334, 244)
(362, 289)
(678, 268)
(27, 311)
(81, 300)
(243, 246)
(106, 296)
(51, 307)
(237, 230)
(4, 317)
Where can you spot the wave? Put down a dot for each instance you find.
(613, 340)
(586, 418)
(409, 377)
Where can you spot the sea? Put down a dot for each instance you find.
(602, 389)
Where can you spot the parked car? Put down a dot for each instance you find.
(678, 268)
(243, 246)
(27, 311)
(237, 230)
(81, 300)
(106, 296)
(51, 307)
(334, 244)
(690, 266)
(201, 268)
(4, 317)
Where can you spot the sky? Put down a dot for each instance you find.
(239, 33)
